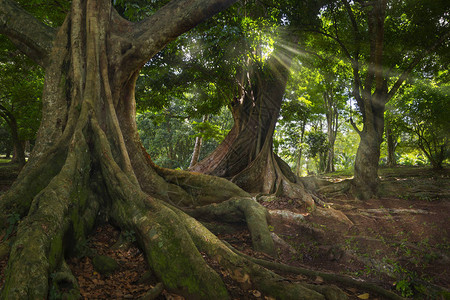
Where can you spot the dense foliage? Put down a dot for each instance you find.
(197, 76)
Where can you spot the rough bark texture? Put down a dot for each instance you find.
(246, 156)
(88, 161)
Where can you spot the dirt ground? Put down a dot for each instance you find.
(399, 241)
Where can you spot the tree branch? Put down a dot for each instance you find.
(356, 89)
(340, 43)
(413, 64)
(6, 115)
(354, 24)
(354, 126)
(30, 35)
(175, 18)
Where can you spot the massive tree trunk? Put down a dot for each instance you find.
(246, 156)
(88, 161)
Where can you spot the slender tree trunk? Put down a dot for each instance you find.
(330, 159)
(391, 145)
(18, 145)
(332, 115)
(197, 147)
(298, 169)
(196, 152)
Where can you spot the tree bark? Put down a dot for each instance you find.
(366, 164)
(298, 169)
(88, 161)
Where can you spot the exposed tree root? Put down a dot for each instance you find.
(246, 272)
(33, 178)
(173, 249)
(326, 276)
(4, 249)
(268, 174)
(341, 187)
(38, 248)
(63, 280)
(202, 188)
(64, 211)
(154, 292)
(238, 210)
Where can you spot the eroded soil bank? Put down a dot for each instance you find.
(399, 241)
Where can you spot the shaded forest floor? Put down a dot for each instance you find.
(399, 241)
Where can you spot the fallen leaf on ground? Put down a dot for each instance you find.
(318, 279)
(364, 296)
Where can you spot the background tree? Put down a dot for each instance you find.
(246, 156)
(291, 128)
(373, 36)
(424, 108)
(20, 88)
(317, 148)
(302, 106)
(6, 145)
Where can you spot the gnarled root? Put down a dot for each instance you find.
(63, 280)
(58, 209)
(172, 241)
(237, 210)
(327, 276)
(243, 270)
(203, 188)
(65, 210)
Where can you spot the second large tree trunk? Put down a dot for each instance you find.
(246, 156)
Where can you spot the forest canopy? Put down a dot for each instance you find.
(161, 117)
